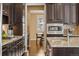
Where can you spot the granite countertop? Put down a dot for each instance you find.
(57, 42)
(71, 35)
(7, 41)
(63, 41)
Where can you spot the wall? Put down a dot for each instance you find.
(75, 29)
(5, 28)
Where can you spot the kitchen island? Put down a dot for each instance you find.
(62, 46)
(13, 46)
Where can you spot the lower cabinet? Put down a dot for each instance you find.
(16, 48)
(63, 51)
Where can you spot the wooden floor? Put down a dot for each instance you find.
(35, 50)
(41, 52)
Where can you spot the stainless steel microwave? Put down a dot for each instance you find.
(55, 28)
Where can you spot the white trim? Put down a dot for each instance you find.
(25, 28)
(37, 11)
(1, 29)
(33, 4)
(45, 30)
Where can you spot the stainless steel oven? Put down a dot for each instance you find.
(55, 28)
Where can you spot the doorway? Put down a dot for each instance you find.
(35, 25)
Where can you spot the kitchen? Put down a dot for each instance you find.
(29, 27)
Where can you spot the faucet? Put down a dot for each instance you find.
(70, 33)
(68, 36)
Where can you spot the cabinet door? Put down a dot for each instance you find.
(50, 12)
(10, 13)
(70, 14)
(5, 9)
(5, 14)
(5, 19)
(18, 13)
(59, 12)
(17, 18)
(67, 13)
(55, 12)
(73, 14)
(77, 14)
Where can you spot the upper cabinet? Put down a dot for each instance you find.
(13, 15)
(77, 13)
(61, 13)
(5, 9)
(50, 12)
(18, 13)
(17, 18)
(55, 12)
(70, 13)
(7, 13)
(5, 19)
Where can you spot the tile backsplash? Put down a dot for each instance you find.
(74, 29)
(5, 28)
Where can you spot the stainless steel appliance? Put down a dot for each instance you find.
(55, 28)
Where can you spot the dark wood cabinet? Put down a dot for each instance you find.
(73, 14)
(17, 18)
(11, 14)
(5, 19)
(14, 13)
(70, 13)
(7, 11)
(61, 13)
(77, 13)
(50, 12)
(5, 15)
(55, 12)
(65, 51)
(17, 13)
